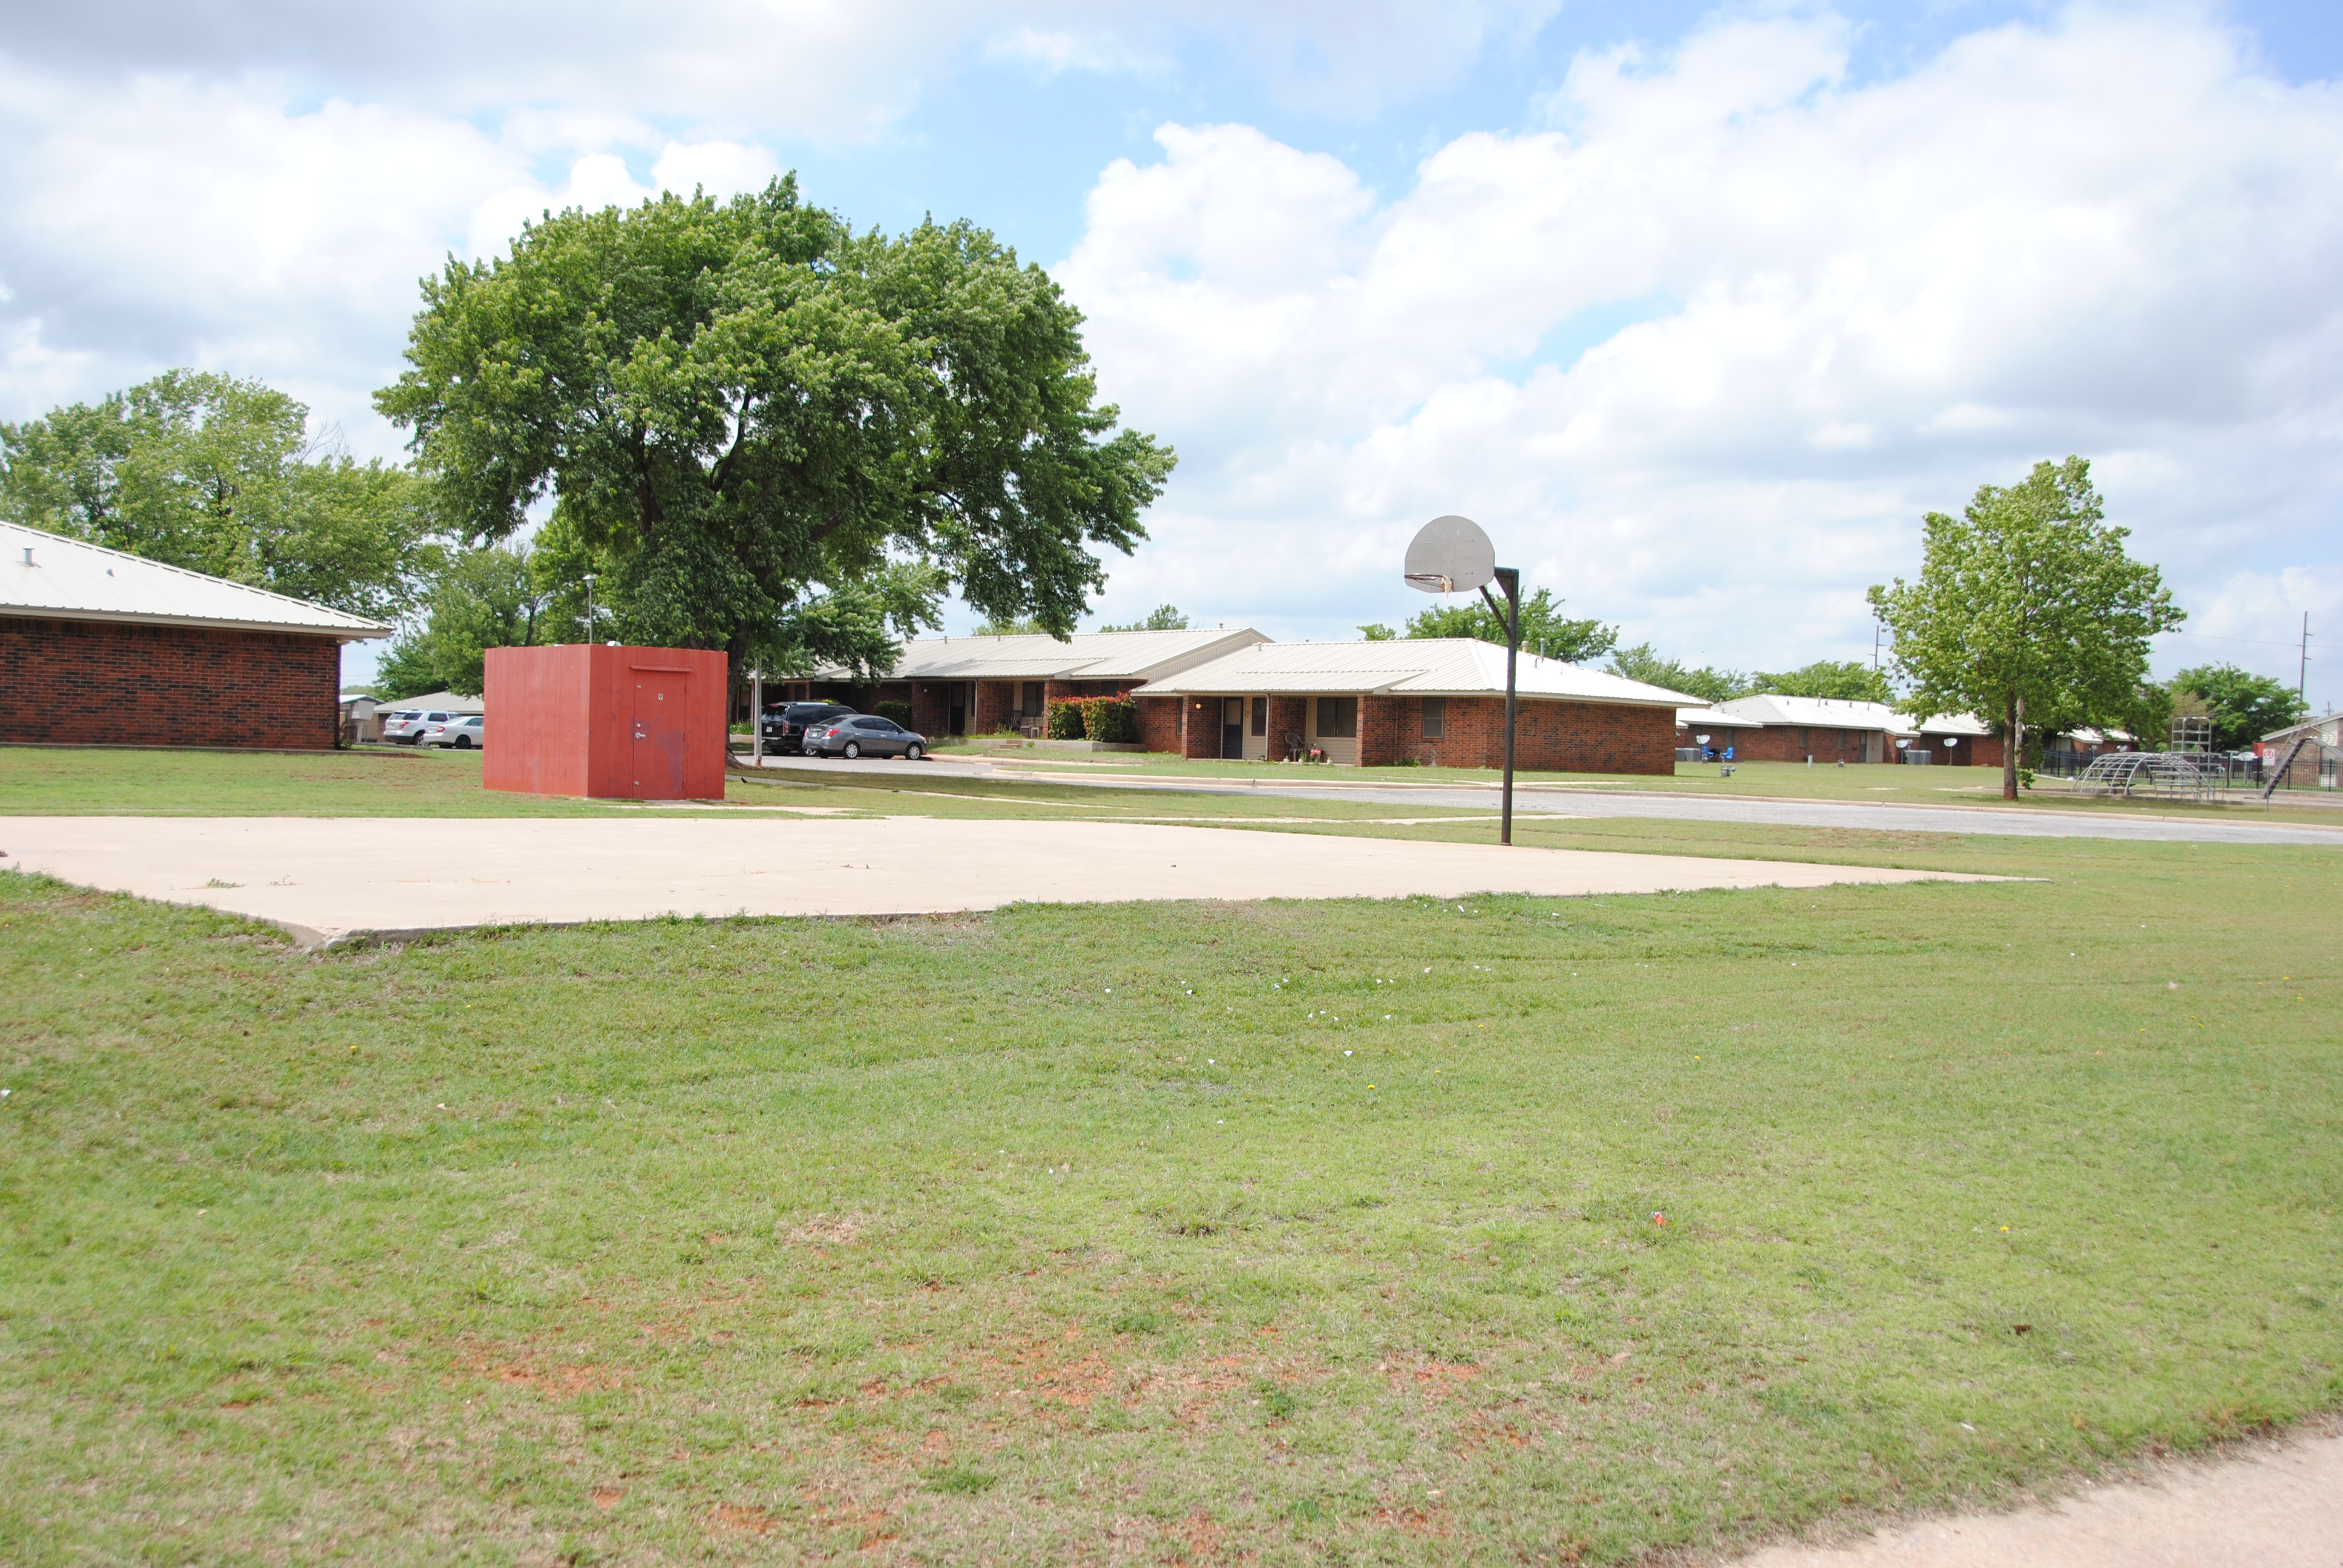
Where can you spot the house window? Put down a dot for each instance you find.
(1436, 717)
(1260, 716)
(1031, 704)
(1337, 717)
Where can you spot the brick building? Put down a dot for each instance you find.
(2312, 765)
(1826, 729)
(1712, 733)
(983, 685)
(1435, 700)
(99, 648)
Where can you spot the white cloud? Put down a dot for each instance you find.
(2106, 236)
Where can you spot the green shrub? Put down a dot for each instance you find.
(1065, 721)
(1111, 718)
(900, 712)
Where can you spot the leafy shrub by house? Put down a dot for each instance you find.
(900, 712)
(1066, 722)
(1110, 718)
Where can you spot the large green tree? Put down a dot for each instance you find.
(222, 476)
(1845, 679)
(1546, 631)
(2027, 612)
(2244, 707)
(1642, 663)
(747, 410)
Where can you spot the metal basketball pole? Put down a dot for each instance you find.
(1510, 580)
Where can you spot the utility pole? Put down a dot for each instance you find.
(2302, 669)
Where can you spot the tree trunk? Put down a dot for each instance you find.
(2013, 744)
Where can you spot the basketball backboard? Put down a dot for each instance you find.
(1451, 555)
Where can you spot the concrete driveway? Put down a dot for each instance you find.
(324, 879)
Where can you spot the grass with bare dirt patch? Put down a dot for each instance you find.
(1409, 1232)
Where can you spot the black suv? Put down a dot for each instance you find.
(785, 728)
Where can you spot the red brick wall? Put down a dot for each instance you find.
(1200, 733)
(1826, 743)
(1286, 715)
(87, 682)
(1159, 723)
(1549, 736)
(1973, 752)
(995, 700)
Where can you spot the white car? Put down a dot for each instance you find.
(462, 731)
(405, 727)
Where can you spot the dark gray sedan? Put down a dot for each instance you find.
(864, 735)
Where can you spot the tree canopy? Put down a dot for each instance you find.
(746, 410)
(2243, 707)
(1845, 679)
(1643, 663)
(220, 474)
(1162, 618)
(1544, 630)
(484, 599)
(2027, 611)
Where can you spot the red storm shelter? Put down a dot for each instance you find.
(582, 718)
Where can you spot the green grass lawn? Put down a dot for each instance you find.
(385, 782)
(1279, 1232)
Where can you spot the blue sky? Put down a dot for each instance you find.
(1698, 309)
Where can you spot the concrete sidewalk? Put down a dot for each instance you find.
(324, 879)
(2281, 1507)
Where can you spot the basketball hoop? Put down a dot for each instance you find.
(1451, 555)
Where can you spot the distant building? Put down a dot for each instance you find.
(1435, 700)
(983, 685)
(1827, 729)
(100, 648)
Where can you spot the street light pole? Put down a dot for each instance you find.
(1510, 580)
(589, 606)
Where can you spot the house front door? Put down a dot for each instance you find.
(1232, 718)
(659, 738)
(959, 708)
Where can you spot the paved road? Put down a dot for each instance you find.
(1598, 801)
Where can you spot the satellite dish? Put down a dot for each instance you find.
(1700, 741)
(1451, 555)
(1952, 740)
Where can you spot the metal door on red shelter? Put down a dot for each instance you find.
(660, 700)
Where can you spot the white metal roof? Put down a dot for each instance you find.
(46, 574)
(1771, 708)
(1715, 719)
(1132, 656)
(1410, 667)
(1948, 724)
(2323, 729)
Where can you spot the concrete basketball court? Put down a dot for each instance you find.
(2277, 1506)
(324, 879)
